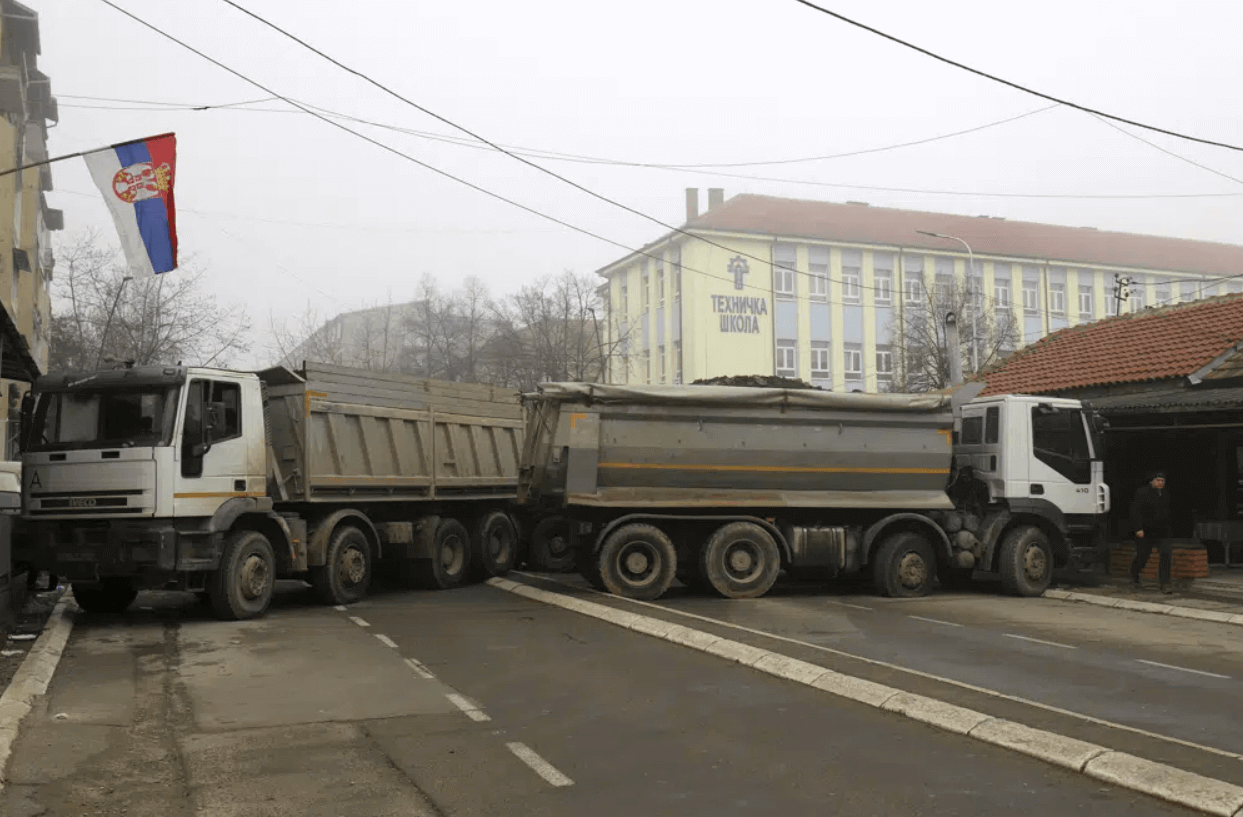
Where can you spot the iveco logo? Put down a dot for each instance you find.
(82, 502)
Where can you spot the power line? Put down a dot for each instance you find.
(1177, 156)
(688, 168)
(843, 18)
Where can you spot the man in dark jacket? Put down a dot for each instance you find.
(1150, 520)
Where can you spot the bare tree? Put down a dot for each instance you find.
(100, 315)
(924, 362)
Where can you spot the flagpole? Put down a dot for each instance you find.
(79, 153)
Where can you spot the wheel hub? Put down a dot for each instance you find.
(1035, 563)
(558, 545)
(353, 566)
(912, 571)
(253, 577)
(451, 554)
(636, 562)
(742, 561)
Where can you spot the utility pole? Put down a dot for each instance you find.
(1122, 292)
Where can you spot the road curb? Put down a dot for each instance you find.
(1147, 607)
(32, 678)
(1099, 762)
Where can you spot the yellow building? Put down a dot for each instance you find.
(26, 221)
(819, 290)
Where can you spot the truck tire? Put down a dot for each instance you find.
(495, 544)
(638, 561)
(551, 549)
(740, 560)
(109, 597)
(345, 575)
(450, 558)
(904, 566)
(242, 587)
(589, 568)
(1026, 561)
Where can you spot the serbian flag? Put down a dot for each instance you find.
(136, 179)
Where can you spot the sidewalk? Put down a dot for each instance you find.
(1218, 598)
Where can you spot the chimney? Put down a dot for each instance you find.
(716, 197)
(692, 204)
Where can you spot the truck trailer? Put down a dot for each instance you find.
(220, 482)
(725, 488)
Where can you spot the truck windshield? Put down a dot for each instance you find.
(104, 418)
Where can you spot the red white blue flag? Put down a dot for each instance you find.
(136, 179)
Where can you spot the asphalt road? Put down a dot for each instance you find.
(479, 702)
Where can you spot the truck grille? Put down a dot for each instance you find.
(86, 502)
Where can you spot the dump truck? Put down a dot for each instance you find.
(726, 488)
(219, 482)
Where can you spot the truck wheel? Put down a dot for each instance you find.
(109, 597)
(589, 569)
(904, 566)
(1026, 564)
(346, 573)
(242, 588)
(450, 557)
(495, 543)
(551, 549)
(741, 560)
(638, 561)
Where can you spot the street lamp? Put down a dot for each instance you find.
(975, 366)
(108, 323)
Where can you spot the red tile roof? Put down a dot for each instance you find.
(1156, 344)
(861, 223)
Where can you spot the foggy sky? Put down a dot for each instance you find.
(289, 213)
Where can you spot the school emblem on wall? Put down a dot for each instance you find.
(738, 268)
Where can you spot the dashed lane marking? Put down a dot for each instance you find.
(468, 707)
(1041, 641)
(386, 641)
(935, 621)
(1182, 669)
(359, 621)
(419, 669)
(540, 766)
(340, 608)
(852, 606)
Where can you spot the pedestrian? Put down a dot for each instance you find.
(1150, 520)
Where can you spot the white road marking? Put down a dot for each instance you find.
(935, 621)
(540, 766)
(917, 673)
(340, 608)
(419, 669)
(1041, 641)
(385, 640)
(1182, 669)
(359, 621)
(855, 606)
(473, 712)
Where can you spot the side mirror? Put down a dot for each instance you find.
(27, 420)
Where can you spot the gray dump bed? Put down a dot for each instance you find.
(339, 433)
(702, 446)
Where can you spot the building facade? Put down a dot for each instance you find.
(820, 290)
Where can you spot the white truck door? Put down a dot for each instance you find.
(214, 461)
(1061, 463)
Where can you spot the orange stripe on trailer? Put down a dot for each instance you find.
(782, 469)
(214, 494)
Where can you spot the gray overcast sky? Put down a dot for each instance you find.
(286, 211)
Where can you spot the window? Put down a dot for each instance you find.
(1164, 295)
(229, 396)
(882, 284)
(854, 363)
(1236, 286)
(645, 298)
(884, 363)
(992, 425)
(647, 365)
(945, 290)
(850, 284)
(787, 359)
(1060, 442)
(660, 352)
(1057, 298)
(820, 363)
(677, 362)
(1139, 295)
(972, 430)
(1031, 296)
(1085, 303)
(676, 261)
(914, 290)
(660, 287)
(818, 269)
(783, 282)
(1001, 293)
(108, 418)
(1187, 288)
(625, 378)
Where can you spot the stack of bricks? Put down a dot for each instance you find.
(1190, 562)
